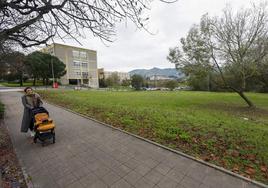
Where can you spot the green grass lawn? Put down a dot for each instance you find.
(216, 127)
(25, 84)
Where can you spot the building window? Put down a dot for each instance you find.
(84, 65)
(85, 74)
(75, 54)
(78, 73)
(76, 64)
(79, 55)
(83, 55)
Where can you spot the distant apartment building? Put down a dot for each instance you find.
(81, 64)
(106, 74)
(160, 77)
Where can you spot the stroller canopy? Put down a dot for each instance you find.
(39, 110)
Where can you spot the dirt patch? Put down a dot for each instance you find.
(12, 175)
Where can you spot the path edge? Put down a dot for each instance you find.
(27, 178)
(165, 147)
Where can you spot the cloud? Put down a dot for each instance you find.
(135, 48)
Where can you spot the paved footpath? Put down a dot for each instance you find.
(88, 154)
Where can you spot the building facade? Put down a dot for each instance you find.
(106, 74)
(81, 64)
(160, 77)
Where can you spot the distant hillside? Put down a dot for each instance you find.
(169, 72)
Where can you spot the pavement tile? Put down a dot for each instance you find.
(60, 171)
(167, 182)
(198, 171)
(162, 168)
(176, 175)
(144, 183)
(132, 177)
(41, 179)
(76, 185)
(102, 171)
(132, 163)
(89, 180)
(250, 185)
(150, 162)
(188, 182)
(111, 163)
(98, 184)
(222, 180)
(66, 180)
(81, 172)
(154, 176)
(121, 170)
(204, 186)
(123, 159)
(183, 165)
(93, 166)
(110, 178)
(143, 169)
(121, 184)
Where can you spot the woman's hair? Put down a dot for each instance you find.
(27, 89)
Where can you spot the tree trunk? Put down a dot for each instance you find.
(244, 83)
(21, 80)
(34, 81)
(44, 82)
(47, 81)
(241, 94)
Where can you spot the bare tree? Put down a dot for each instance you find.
(239, 42)
(236, 44)
(34, 22)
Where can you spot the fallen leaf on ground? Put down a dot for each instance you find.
(236, 168)
(263, 168)
(250, 171)
(251, 157)
(235, 153)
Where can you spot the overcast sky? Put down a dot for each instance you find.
(136, 49)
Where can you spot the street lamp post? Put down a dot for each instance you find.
(53, 77)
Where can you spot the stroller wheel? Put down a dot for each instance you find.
(35, 139)
(54, 138)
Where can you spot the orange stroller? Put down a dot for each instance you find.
(44, 127)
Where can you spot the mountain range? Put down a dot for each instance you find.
(168, 72)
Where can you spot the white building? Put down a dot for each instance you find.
(159, 77)
(81, 64)
(122, 75)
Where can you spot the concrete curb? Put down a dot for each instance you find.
(169, 149)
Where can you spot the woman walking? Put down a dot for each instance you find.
(30, 100)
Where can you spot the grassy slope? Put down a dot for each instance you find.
(25, 84)
(216, 127)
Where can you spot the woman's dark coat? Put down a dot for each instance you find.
(27, 114)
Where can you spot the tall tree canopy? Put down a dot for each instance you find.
(39, 65)
(137, 81)
(234, 47)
